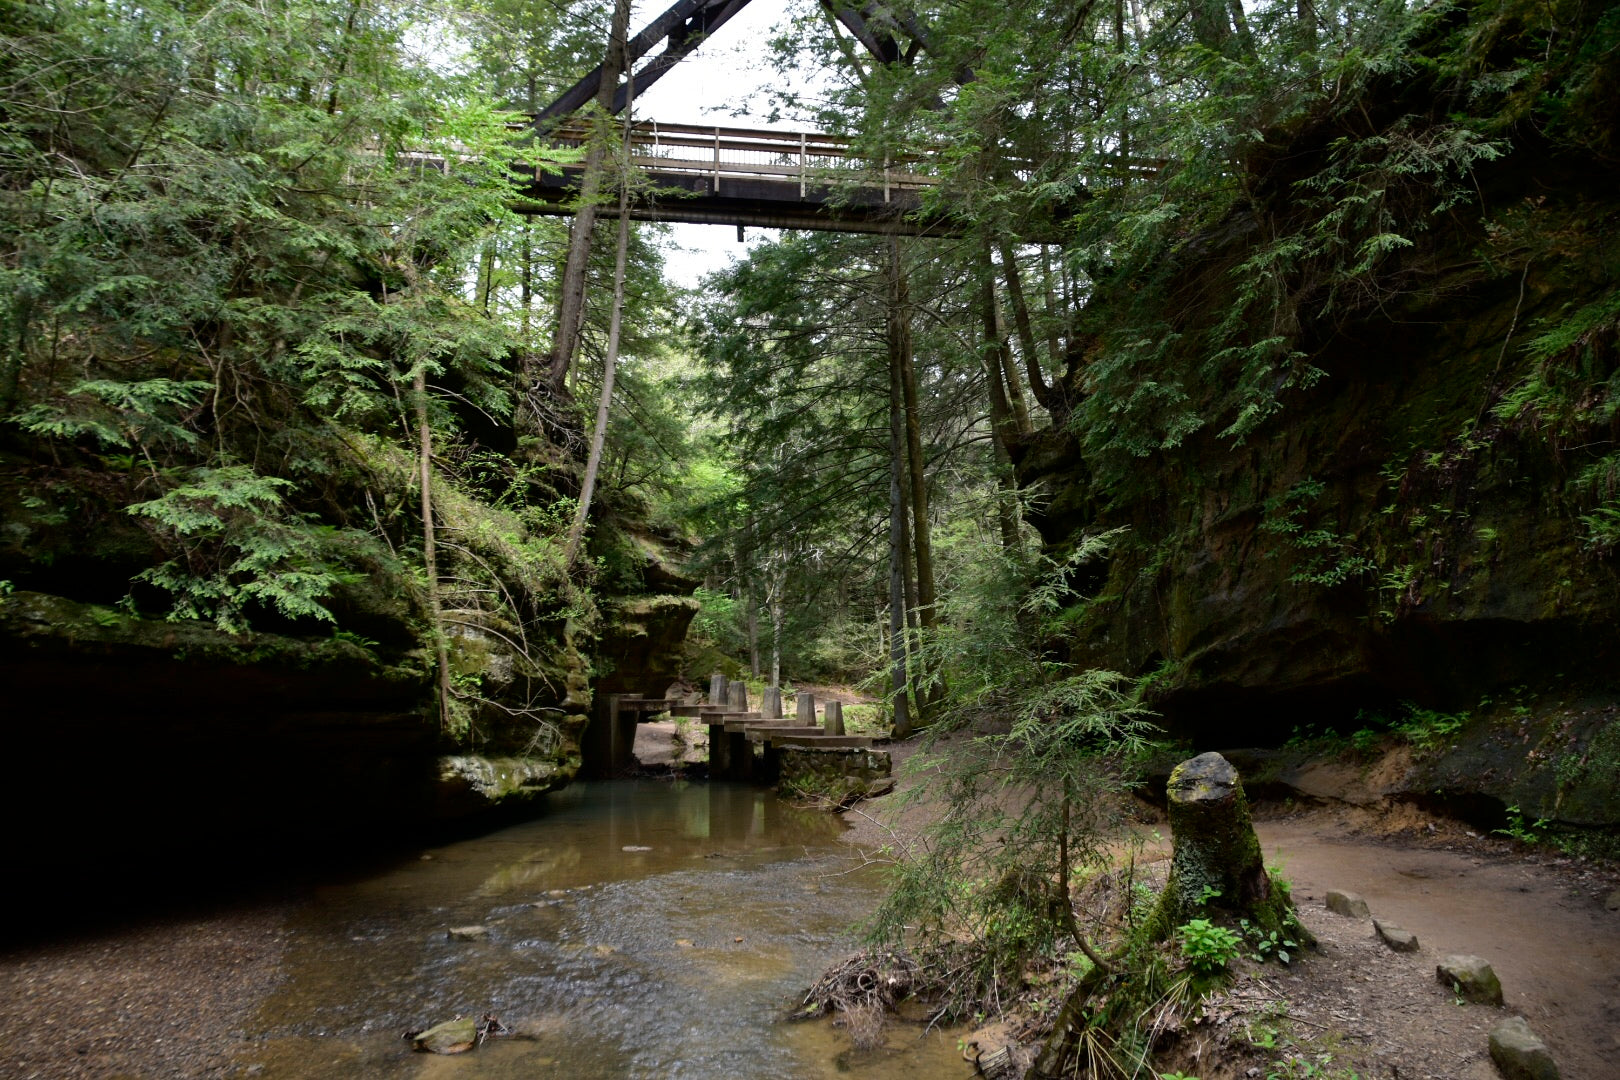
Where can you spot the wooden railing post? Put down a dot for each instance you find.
(801, 163)
(717, 161)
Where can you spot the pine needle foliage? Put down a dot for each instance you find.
(260, 283)
(1028, 758)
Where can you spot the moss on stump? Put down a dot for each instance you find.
(1216, 862)
(1216, 867)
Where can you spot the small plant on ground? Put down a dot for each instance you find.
(1268, 944)
(1521, 828)
(1365, 740)
(1429, 729)
(1208, 948)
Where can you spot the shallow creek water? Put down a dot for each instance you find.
(639, 929)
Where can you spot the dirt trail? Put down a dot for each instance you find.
(1541, 924)
(1539, 920)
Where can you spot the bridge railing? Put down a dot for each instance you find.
(809, 159)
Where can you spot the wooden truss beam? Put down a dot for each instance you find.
(682, 28)
(688, 23)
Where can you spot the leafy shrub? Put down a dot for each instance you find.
(1207, 947)
(1268, 943)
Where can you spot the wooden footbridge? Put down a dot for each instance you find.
(743, 742)
(750, 177)
(741, 176)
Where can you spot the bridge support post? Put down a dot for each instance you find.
(719, 752)
(835, 717)
(609, 738)
(740, 756)
(806, 709)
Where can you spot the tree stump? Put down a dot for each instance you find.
(1216, 864)
(1216, 861)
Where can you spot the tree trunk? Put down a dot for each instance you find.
(486, 276)
(777, 614)
(1026, 331)
(1055, 332)
(900, 301)
(1216, 861)
(897, 557)
(430, 562)
(526, 292)
(577, 532)
(1002, 423)
(1003, 372)
(753, 632)
(1305, 10)
(572, 303)
(908, 580)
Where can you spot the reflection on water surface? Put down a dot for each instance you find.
(639, 929)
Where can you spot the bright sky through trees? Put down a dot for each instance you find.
(720, 83)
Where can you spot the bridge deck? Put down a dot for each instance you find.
(743, 176)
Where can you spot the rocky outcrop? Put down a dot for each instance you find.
(176, 744)
(1430, 518)
(471, 784)
(646, 608)
(837, 775)
(1555, 768)
(1449, 559)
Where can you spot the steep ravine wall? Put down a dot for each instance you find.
(1401, 536)
(174, 753)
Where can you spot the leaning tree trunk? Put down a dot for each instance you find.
(571, 301)
(1216, 866)
(576, 534)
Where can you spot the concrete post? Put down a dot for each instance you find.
(771, 704)
(806, 709)
(835, 717)
(737, 696)
(717, 689)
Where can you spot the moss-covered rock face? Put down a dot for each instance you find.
(1431, 521)
(646, 607)
(472, 784)
(201, 752)
(62, 654)
(205, 749)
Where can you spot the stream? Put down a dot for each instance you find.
(638, 929)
